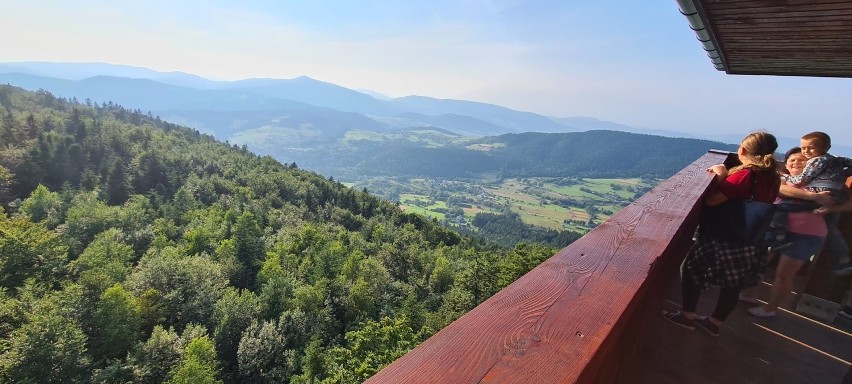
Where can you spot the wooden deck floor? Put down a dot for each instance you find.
(789, 348)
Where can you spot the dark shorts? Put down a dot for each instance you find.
(804, 247)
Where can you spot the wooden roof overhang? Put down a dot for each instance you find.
(774, 37)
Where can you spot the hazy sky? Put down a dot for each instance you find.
(628, 61)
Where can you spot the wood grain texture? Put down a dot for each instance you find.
(560, 321)
(781, 37)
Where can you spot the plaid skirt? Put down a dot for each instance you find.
(718, 263)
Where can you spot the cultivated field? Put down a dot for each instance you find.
(562, 204)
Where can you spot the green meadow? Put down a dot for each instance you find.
(574, 204)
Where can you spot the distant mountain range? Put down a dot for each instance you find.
(289, 116)
(173, 93)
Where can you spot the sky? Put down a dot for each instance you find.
(632, 62)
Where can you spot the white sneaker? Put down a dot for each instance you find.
(749, 299)
(760, 312)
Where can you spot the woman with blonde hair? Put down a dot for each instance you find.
(723, 260)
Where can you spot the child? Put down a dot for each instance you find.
(823, 173)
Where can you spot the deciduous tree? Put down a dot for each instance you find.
(235, 311)
(29, 250)
(48, 348)
(199, 364)
(118, 323)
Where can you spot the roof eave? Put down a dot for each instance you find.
(697, 18)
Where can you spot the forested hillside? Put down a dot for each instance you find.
(594, 154)
(135, 250)
(351, 136)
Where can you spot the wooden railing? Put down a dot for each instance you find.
(570, 319)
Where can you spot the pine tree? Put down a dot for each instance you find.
(250, 249)
(118, 187)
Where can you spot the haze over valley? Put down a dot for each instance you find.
(414, 150)
(318, 125)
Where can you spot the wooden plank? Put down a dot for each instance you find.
(736, 4)
(829, 30)
(818, 13)
(788, 35)
(769, 24)
(823, 8)
(797, 47)
(550, 324)
(761, 40)
(780, 72)
(801, 64)
(790, 64)
(787, 349)
(777, 46)
(821, 72)
(833, 29)
(806, 18)
(761, 59)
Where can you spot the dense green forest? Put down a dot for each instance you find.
(507, 228)
(592, 154)
(133, 250)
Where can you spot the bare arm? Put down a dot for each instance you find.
(847, 206)
(716, 197)
(791, 192)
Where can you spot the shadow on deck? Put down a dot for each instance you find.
(788, 348)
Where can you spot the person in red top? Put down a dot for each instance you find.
(724, 262)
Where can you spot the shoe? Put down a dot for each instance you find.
(676, 318)
(846, 312)
(759, 311)
(843, 269)
(704, 323)
(749, 299)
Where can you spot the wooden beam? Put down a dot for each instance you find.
(566, 319)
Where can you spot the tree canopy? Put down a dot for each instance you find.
(136, 250)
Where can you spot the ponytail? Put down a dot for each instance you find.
(763, 163)
(759, 148)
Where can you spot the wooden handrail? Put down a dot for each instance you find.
(569, 319)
